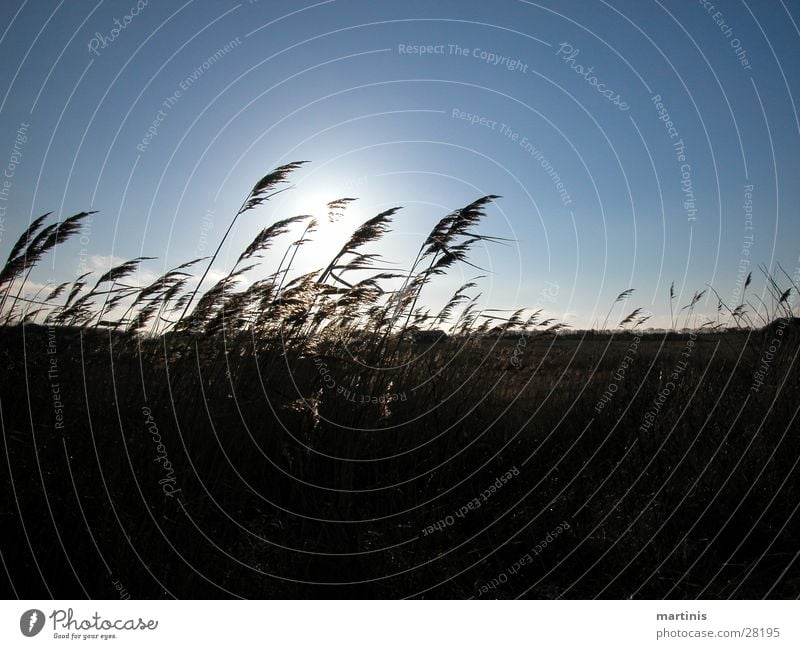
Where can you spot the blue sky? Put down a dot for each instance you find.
(426, 105)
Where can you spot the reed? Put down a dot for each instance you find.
(315, 429)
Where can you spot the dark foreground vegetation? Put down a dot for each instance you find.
(292, 439)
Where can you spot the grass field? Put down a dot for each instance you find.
(292, 440)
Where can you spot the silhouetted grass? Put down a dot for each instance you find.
(291, 439)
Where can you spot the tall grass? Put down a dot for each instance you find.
(353, 300)
(353, 295)
(313, 440)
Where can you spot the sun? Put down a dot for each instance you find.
(333, 221)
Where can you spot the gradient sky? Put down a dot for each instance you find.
(338, 83)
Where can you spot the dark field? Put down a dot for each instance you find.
(213, 466)
(313, 436)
